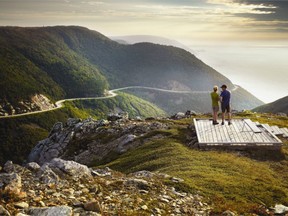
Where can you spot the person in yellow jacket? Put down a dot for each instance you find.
(215, 104)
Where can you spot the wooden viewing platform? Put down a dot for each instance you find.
(241, 133)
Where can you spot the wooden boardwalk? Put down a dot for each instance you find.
(238, 134)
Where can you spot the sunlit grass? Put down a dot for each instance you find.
(229, 180)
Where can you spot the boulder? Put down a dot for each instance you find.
(179, 115)
(11, 183)
(51, 211)
(280, 209)
(47, 176)
(9, 167)
(117, 116)
(190, 113)
(70, 168)
(33, 166)
(138, 183)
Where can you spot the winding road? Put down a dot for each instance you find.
(111, 94)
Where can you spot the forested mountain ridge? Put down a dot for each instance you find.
(37, 60)
(71, 61)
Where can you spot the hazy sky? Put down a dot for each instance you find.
(218, 30)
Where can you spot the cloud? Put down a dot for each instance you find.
(179, 19)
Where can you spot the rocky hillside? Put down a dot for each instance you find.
(278, 106)
(165, 172)
(66, 188)
(19, 135)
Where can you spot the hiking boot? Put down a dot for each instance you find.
(222, 123)
(229, 123)
(215, 123)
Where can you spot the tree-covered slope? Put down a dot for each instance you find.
(144, 64)
(278, 106)
(36, 60)
(71, 61)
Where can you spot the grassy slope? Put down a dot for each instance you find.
(231, 181)
(280, 105)
(123, 102)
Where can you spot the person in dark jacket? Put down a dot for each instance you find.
(225, 98)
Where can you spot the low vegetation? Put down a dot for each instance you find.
(238, 181)
(278, 106)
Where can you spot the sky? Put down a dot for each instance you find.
(246, 40)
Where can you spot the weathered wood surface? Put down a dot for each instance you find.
(238, 133)
(285, 132)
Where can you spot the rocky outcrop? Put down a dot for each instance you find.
(98, 192)
(36, 103)
(92, 140)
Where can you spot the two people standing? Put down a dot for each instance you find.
(224, 99)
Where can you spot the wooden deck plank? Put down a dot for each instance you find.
(276, 130)
(285, 132)
(268, 127)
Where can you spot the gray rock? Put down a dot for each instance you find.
(47, 176)
(101, 172)
(118, 116)
(190, 113)
(51, 147)
(33, 166)
(9, 167)
(139, 183)
(102, 122)
(281, 209)
(123, 141)
(71, 168)
(72, 121)
(3, 211)
(11, 182)
(51, 211)
(56, 128)
(179, 115)
(143, 173)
